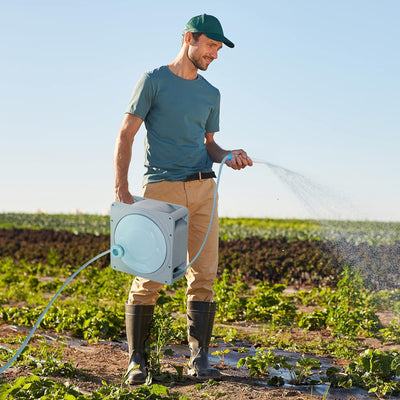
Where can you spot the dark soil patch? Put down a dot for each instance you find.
(276, 260)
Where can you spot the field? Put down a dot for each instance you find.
(306, 310)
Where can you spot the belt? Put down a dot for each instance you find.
(198, 176)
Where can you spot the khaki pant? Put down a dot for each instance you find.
(197, 197)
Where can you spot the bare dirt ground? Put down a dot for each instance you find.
(107, 361)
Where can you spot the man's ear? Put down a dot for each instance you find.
(188, 38)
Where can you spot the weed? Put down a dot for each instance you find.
(210, 382)
(242, 350)
(162, 333)
(221, 355)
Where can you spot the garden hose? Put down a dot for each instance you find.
(228, 157)
(21, 349)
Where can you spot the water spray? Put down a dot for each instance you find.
(162, 224)
(259, 161)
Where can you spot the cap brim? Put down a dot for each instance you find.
(220, 38)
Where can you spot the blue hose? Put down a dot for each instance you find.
(21, 349)
(228, 157)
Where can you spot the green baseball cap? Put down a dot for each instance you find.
(209, 26)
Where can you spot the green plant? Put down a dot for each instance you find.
(162, 333)
(230, 298)
(313, 321)
(228, 335)
(34, 387)
(210, 382)
(45, 360)
(48, 361)
(350, 309)
(392, 332)
(221, 355)
(374, 370)
(302, 372)
(91, 307)
(243, 350)
(269, 304)
(261, 362)
(344, 348)
(89, 321)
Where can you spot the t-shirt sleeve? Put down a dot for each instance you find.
(212, 124)
(141, 99)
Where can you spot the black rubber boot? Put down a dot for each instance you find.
(138, 320)
(200, 321)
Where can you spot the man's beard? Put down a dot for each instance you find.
(197, 64)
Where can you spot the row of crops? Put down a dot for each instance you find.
(369, 232)
(343, 285)
(297, 262)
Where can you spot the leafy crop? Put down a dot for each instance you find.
(75, 223)
(268, 304)
(253, 259)
(262, 362)
(301, 372)
(35, 387)
(392, 332)
(252, 287)
(357, 232)
(350, 310)
(373, 233)
(373, 370)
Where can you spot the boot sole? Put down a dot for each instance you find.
(133, 383)
(193, 373)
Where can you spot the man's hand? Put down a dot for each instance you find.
(239, 160)
(123, 196)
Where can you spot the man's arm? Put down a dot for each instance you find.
(217, 154)
(122, 156)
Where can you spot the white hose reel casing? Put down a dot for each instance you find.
(149, 239)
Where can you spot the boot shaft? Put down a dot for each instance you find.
(138, 319)
(200, 322)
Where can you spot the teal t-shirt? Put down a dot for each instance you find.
(177, 113)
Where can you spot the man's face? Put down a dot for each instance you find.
(203, 51)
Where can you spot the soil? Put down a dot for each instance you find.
(107, 361)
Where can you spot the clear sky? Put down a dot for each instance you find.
(312, 86)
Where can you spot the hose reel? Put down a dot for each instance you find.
(149, 239)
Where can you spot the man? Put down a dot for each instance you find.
(181, 114)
